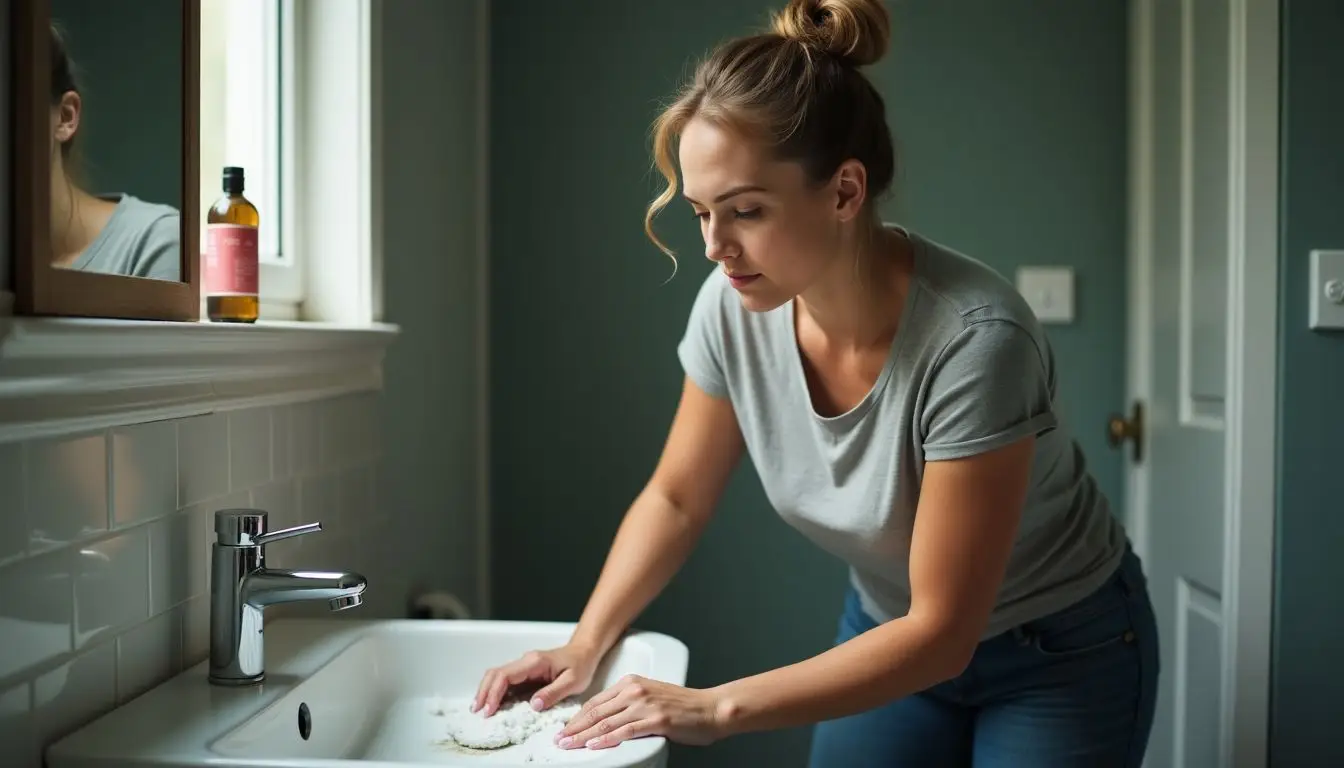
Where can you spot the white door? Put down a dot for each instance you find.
(1200, 72)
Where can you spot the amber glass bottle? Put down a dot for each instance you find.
(229, 269)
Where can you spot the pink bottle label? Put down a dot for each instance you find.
(230, 262)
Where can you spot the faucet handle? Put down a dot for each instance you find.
(285, 533)
(247, 528)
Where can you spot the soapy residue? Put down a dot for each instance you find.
(513, 723)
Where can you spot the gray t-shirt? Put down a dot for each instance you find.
(140, 239)
(969, 371)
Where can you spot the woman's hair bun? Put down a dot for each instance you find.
(855, 31)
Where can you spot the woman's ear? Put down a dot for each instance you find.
(851, 186)
(67, 117)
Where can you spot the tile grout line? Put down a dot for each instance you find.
(177, 464)
(228, 450)
(110, 487)
(71, 555)
(24, 494)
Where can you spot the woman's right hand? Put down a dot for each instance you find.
(563, 671)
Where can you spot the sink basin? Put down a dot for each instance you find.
(342, 691)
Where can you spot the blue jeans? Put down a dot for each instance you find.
(1075, 689)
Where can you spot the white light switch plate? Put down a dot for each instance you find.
(1326, 307)
(1049, 291)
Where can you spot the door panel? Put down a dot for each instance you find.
(1182, 541)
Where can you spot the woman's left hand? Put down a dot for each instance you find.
(636, 707)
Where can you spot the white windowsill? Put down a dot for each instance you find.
(63, 375)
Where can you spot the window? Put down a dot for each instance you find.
(277, 76)
(247, 120)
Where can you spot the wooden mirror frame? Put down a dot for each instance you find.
(40, 288)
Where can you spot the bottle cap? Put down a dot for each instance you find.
(233, 180)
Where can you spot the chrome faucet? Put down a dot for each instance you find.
(241, 587)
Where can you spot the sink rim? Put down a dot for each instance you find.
(176, 723)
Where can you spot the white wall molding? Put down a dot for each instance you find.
(1250, 472)
(59, 376)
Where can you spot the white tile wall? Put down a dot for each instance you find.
(104, 547)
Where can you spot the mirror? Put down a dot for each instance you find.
(116, 138)
(105, 147)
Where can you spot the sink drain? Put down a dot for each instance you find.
(305, 721)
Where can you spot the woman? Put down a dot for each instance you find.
(897, 399)
(115, 234)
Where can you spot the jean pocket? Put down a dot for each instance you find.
(1093, 623)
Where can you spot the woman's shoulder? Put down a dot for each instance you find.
(143, 214)
(152, 225)
(961, 290)
(967, 316)
(152, 232)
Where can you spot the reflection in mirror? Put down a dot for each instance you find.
(116, 137)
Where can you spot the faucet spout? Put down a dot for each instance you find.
(241, 588)
(269, 586)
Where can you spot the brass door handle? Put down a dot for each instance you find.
(1119, 429)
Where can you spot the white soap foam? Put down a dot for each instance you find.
(414, 730)
(514, 723)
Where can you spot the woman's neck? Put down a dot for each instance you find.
(858, 304)
(76, 219)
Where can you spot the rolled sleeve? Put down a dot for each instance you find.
(701, 347)
(990, 388)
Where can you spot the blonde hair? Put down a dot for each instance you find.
(797, 87)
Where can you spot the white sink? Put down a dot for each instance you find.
(364, 691)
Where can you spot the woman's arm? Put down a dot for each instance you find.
(964, 532)
(703, 446)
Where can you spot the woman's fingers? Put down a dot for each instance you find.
(598, 721)
(487, 680)
(595, 709)
(637, 729)
(563, 685)
(533, 666)
(495, 695)
(603, 697)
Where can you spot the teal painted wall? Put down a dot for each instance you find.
(1013, 132)
(1308, 627)
(128, 60)
(430, 133)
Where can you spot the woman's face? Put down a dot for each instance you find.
(772, 232)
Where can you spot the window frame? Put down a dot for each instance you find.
(270, 95)
(337, 161)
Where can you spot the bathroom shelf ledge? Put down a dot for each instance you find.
(64, 375)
